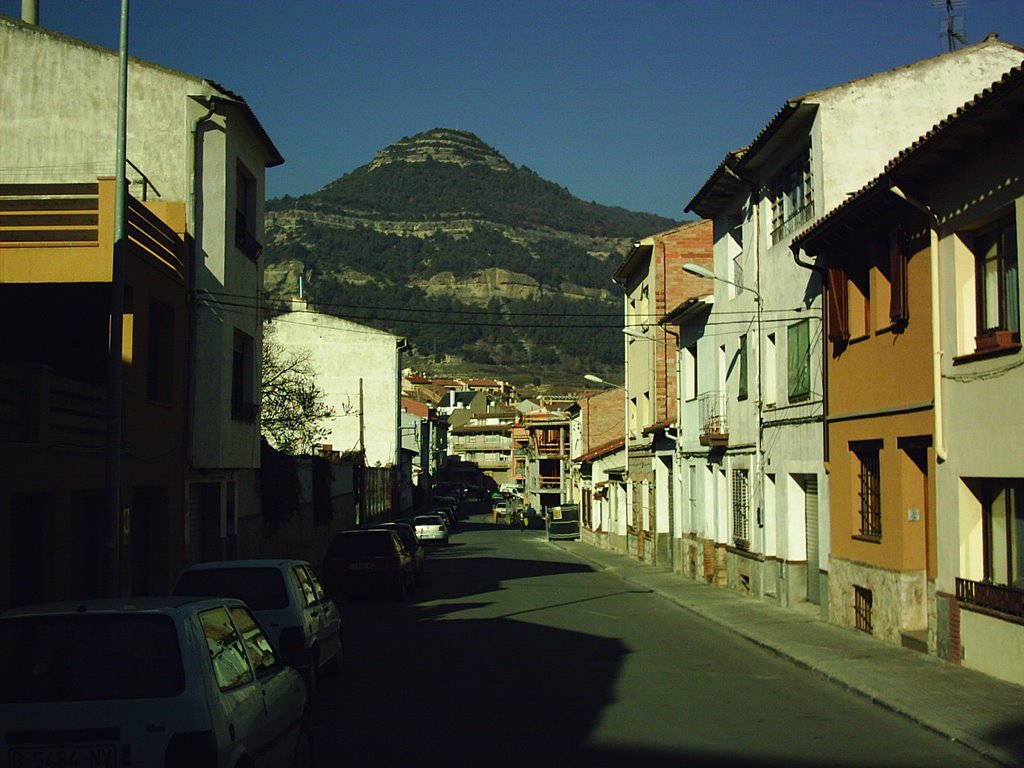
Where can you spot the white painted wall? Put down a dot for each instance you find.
(344, 353)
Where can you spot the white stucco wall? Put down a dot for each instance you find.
(344, 353)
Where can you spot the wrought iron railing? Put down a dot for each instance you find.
(714, 424)
(991, 596)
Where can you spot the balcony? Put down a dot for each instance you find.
(64, 233)
(244, 239)
(991, 597)
(714, 426)
(41, 408)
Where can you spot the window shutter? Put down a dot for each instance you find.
(899, 309)
(798, 359)
(838, 325)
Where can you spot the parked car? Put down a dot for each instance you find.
(288, 600)
(407, 532)
(172, 681)
(447, 514)
(368, 561)
(448, 502)
(431, 528)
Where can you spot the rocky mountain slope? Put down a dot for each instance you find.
(441, 239)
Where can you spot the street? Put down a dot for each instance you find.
(515, 651)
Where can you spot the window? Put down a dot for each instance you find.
(768, 383)
(257, 644)
(870, 489)
(690, 372)
(995, 277)
(791, 198)
(742, 392)
(740, 507)
(899, 302)
(245, 213)
(1003, 517)
(159, 352)
(230, 666)
(305, 585)
(243, 404)
(798, 351)
(862, 600)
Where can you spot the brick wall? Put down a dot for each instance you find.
(602, 417)
(691, 243)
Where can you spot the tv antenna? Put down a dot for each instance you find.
(952, 28)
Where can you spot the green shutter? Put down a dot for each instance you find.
(798, 353)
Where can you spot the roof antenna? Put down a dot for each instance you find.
(952, 32)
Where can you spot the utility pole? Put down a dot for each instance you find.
(118, 521)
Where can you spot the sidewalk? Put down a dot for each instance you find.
(981, 712)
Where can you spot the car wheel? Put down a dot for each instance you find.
(304, 747)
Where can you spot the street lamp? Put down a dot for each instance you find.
(699, 271)
(598, 380)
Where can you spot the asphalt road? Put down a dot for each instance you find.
(515, 652)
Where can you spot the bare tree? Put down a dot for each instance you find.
(292, 407)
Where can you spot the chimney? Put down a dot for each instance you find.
(30, 11)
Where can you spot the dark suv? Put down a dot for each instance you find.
(368, 561)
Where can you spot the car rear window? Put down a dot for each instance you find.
(362, 543)
(101, 657)
(428, 520)
(263, 589)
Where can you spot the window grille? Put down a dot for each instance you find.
(740, 508)
(870, 494)
(791, 196)
(862, 600)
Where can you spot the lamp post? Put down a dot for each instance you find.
(699, 271)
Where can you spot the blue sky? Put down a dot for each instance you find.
(628, 103)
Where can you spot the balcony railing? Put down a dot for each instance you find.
(991, 596)
(39, 407)
(64, 233)
(714, 426)
(245, 241)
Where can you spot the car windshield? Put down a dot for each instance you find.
(101, 657)
(262, 588)
(362, 543)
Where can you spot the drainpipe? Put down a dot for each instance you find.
(822, 275)
(933, 257)
(193, 226)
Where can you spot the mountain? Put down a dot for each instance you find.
(475, 261)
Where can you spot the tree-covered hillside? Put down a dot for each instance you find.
(441, 240)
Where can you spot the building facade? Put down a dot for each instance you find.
(198, 148)
(768, 487)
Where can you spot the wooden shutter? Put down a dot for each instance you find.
(899, 309)
(838, 320)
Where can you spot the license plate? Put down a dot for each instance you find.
(360, 566)
(98, 756)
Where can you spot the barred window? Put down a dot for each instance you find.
(862, 603)
(870, 492)
(791, 198)
(740, 507)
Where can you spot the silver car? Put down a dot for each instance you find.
(288, 600)
(430, 529)
(176, 682)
